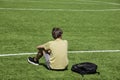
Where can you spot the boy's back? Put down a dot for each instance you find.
(58, 55)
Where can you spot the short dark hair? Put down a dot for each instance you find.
(56, 32)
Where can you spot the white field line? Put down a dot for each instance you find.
(16, 54)
(72, 10)
(106, 2)
(69, 2)
(112, 3)
(93, 51)
(52, 2)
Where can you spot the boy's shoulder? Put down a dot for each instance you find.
(65, 40)
(55, 40)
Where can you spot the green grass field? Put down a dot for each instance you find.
(87, 25)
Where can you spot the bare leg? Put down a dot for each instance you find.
(39, 54)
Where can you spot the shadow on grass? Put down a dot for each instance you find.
(44, 65)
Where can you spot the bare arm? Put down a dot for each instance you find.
(40, 47)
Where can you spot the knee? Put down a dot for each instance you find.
(40, 49)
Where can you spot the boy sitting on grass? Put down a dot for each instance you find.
(55, 52)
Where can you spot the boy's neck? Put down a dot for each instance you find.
(58, 38)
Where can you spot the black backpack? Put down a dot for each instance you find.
(85, 68)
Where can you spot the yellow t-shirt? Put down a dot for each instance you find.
(58, 53)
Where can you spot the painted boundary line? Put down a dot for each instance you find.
(105, 2)
(87, 2)
(93, 51)
(69, 2)
(94, 1)
(73, 10)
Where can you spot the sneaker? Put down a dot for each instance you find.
(31, 60)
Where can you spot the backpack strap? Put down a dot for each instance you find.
(98, 73)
